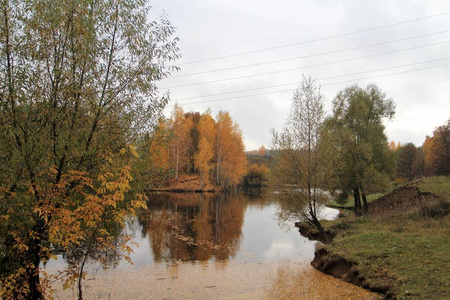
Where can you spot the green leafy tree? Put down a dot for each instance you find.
(359, 158)
(409, 162)
(298, 172)
(153, 168)
(77, 83)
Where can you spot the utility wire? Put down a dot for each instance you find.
(309, 55)
(325, 78)
(318, 39)
(305, 67)
(333, 83)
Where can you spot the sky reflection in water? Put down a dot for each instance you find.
(209, 228)
(215, 228)
(214, 247)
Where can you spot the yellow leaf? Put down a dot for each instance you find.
(133, 151)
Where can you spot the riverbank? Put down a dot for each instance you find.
(400, 248)
(186, 184)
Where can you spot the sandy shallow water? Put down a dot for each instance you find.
(220, 280)
(198, 247)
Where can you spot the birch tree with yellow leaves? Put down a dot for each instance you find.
(205, 154)
(231, 163)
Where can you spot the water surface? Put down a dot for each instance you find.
(196, 246)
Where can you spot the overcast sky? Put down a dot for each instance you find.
(402, 46)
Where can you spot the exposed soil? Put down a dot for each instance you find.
(313, 234)
(343, 269)
(186, 184)
(400, 200)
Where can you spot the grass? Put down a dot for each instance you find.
(349, 203)
(410, 251)
(437, 185)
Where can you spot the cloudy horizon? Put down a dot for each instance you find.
(248, 57)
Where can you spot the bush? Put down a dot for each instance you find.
(257, 175)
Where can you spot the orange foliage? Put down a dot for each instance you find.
(205, 154)
(394, 146)
(181, 127)
(214, 149)
(231, 162)
(262, 151)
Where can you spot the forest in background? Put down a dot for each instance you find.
(432, 158)
(192, 143)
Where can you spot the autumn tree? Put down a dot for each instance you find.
(393, 146)
(437, 151)
(194, 135)
(77, 84)
(205, 153)
(231, 163)
(257, 175)
(262, 151)
(181, 140)
(298, 171)
(359, 156)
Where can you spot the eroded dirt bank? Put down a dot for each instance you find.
(345, 270)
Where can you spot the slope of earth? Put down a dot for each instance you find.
(400, 248)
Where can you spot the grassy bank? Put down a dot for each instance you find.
(407, 250)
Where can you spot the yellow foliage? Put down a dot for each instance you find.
(205, 154)
(231, 160)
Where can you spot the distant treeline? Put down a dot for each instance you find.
(193, 143)
(430, 159)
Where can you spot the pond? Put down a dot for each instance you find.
(197, 246)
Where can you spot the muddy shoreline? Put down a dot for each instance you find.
(347, 271)
(339, 267)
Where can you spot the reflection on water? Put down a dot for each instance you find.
(198, 227)
(193, 227)
(203, 246)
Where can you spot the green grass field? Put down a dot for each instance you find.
(409, 251)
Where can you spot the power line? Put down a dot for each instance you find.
(309, 55)
(318, 39)
(325, 78)
(305, 67)
(334, 83)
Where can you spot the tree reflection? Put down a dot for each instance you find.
(193, 227)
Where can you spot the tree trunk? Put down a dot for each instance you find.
(357, 198)
(319, 227)
(363, 193)
(34, 259)
(33, 273)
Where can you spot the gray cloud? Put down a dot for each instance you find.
(210, 29)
